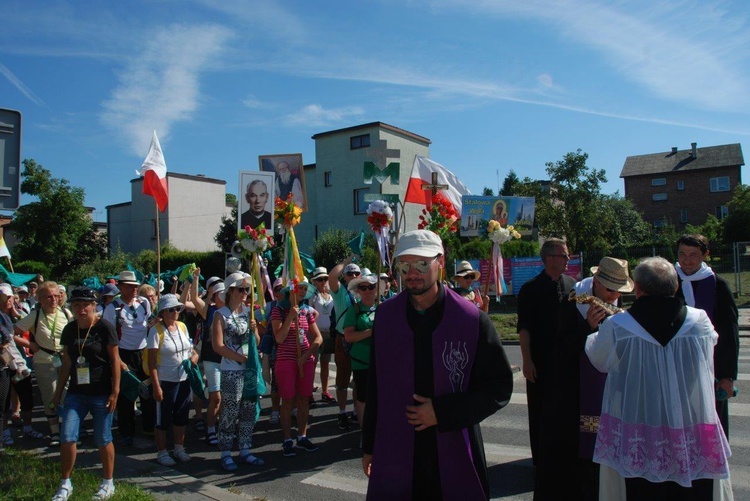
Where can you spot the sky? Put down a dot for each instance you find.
(495, 85)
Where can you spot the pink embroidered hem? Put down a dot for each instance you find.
(660, 453)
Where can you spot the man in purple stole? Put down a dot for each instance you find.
(437, 370)
(701, 288)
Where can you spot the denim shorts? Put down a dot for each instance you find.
(74, 411)
(212, 371)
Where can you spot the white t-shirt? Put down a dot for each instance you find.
(133, 322)
(175, 348)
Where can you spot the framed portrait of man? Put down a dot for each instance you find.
(290, 176)
(256, 200)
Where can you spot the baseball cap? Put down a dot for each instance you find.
(352, 268)
(422, 243)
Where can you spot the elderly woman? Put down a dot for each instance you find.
(169, 345)
(91, 361)
(298, 339)
(358, 332)
(235, 337)
(45, 326)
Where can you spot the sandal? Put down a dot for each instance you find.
(228, 464)
(250, 459)
(200, 425)
(211, 438)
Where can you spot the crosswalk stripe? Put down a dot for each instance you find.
(330, 480)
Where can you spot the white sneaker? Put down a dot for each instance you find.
(105, 491)
(164, 459)
(7, 437)
(63, 493)
(182, 456)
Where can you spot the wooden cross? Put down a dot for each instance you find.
(434, 187)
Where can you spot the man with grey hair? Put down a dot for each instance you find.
(538, 304)
(658, 428)
(256, 197)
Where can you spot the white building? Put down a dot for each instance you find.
(335, 183)
(190, 222)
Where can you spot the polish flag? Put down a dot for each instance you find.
(421, 173)
(154, 172)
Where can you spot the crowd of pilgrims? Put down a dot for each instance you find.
(124, 351)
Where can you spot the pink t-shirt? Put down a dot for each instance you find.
(288, 349)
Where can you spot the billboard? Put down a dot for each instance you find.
(10, 151)
(477, 211)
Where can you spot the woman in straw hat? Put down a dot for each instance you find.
(464, 278)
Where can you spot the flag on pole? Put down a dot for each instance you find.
(154, 172)
(4, 252)
(421, 173)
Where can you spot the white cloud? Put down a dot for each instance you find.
(316, 115)
(160, 85)
(18, 84)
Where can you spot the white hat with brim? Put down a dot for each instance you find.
(319, 272)
(212, 281)
(237, 279)
(127, 277)
(369, 279)
(422, 243)
(169, 301)
(6, 289)
(302, 283)
(464, 268)
(218, 288)
(612, 273)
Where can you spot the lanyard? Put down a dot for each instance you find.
(80, 346)
(54, 326)
(181, 349)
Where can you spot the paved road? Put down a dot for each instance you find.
(333, 473)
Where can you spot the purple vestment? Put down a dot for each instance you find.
(454, 344)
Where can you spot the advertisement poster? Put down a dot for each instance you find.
(524, 269)
(477, 211)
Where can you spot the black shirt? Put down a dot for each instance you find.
(95, 352)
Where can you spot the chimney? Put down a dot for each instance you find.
(694, 153)
(674, 150)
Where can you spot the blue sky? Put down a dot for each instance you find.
(496, 85)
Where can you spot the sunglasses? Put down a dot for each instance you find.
(421, 266)
(172, 309)
(243, 290)
(353, 273)
(364, 287)
(321, 279)
(134, 312)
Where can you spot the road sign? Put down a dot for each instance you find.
(391, 198)
(10, 153)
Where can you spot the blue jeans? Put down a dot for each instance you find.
(75, 409)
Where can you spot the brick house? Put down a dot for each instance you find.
(683, 186)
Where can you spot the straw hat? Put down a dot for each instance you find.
(612, 273)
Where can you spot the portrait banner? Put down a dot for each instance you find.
(255, 200)
(290, 177)
(478, 210)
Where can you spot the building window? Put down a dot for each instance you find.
(659, 223)
(680, 185)
(327, 179)
(362, 141)
(659, 181)
(683, 216)
(360, 206)
(721, 212)
(659, 197)
(720, 183)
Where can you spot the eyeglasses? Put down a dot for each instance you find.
(353, 273)
(243, 290)
(421, 266)
(172, 309)
(364, 287)
(321, 279)
(564, 256)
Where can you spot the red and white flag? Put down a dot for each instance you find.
(421, 173)
(154, 172)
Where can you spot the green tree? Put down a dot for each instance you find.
(510, 183)
(737, 223)
(227, 233)
(571, 208)
(487, 192)
(332, 247)
(230, 198)
(56, 229)
(621, 224)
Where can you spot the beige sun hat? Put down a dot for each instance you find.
(464, 268)
(612, 273)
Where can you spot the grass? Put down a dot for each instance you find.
(505, 325)
(24, 475)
